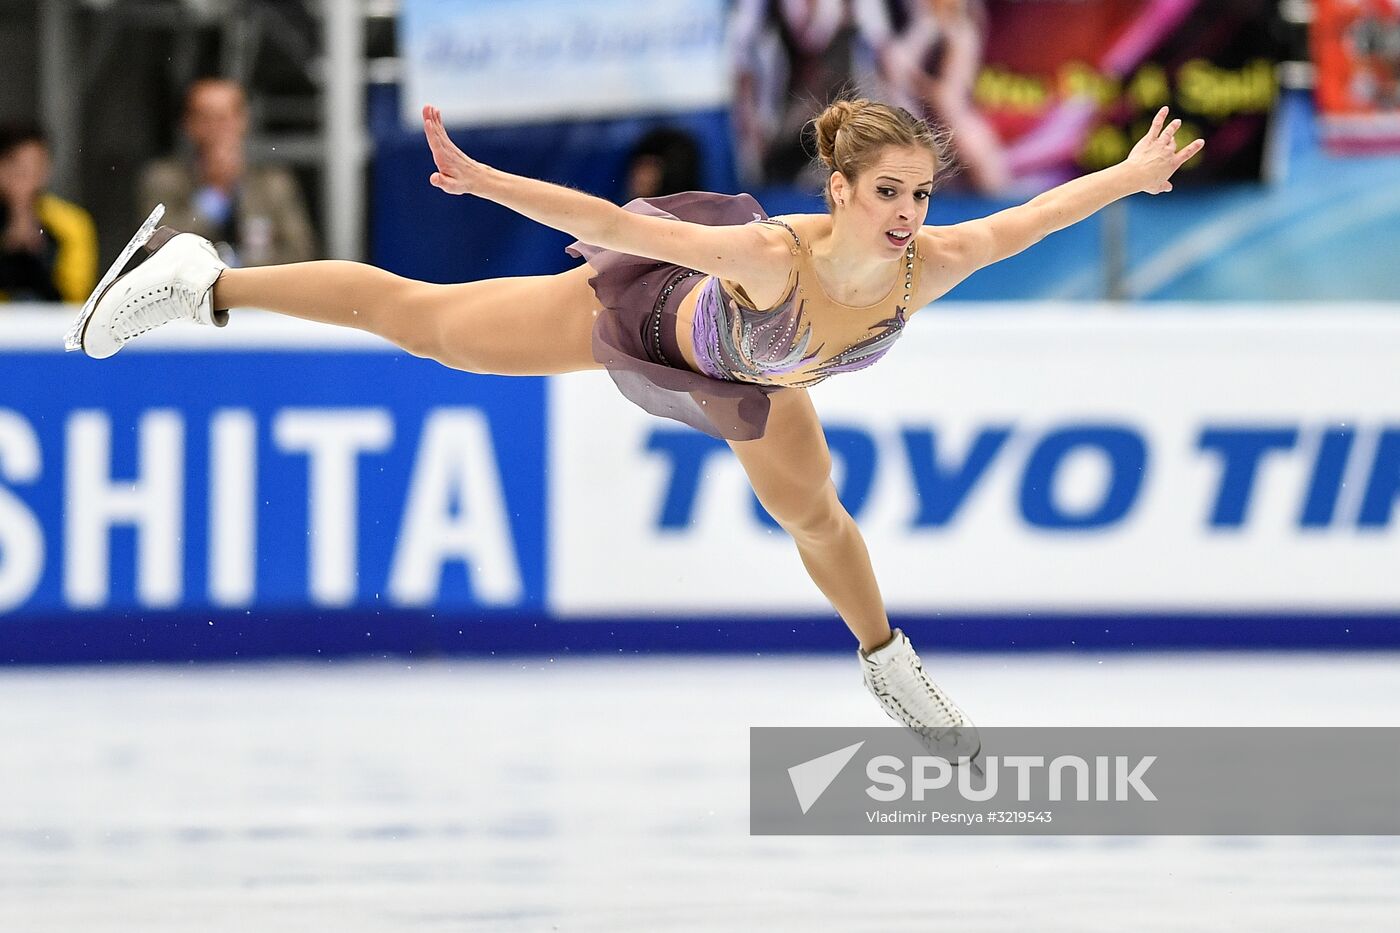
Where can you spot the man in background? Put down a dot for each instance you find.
(255, 215)
(48, 247)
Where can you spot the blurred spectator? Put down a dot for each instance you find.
(927, 57)
(48, 247)
(793, 58)
(664, 161)
(255, 215)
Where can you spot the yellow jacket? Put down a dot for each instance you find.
(74, 271)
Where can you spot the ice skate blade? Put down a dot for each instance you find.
(73, 340)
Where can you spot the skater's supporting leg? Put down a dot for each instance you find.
(532, 325)
(790, 470)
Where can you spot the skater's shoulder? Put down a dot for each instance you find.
(802, 222)
(797, 230)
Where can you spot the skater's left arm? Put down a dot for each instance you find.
(958, 251)
(754, 255)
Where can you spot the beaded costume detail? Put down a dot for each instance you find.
(778, 346)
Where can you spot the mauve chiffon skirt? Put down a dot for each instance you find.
(635, 334)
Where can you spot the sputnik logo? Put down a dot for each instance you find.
(810, 779)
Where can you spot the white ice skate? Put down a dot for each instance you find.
(895, 676)
(162, 275)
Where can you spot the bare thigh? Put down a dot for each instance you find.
(537, 325)
(789, 467)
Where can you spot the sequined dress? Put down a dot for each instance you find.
(744, 354)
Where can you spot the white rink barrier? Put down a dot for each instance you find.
(1006, 460)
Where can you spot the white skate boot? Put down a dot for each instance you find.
(162, 275)
(895, 676)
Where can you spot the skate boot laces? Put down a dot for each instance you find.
(896, 677)
(172, 301)
(905, 684)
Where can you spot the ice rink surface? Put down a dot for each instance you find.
(612, 794)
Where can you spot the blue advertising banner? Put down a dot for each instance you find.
(275, 479)
(1029, 477)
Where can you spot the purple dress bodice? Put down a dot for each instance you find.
(803, 339)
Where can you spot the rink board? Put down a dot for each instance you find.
(1046, 476)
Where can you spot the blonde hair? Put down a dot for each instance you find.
(851, 133)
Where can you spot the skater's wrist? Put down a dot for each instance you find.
(492, 183)
(1128, 179)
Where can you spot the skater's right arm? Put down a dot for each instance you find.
(755, 255)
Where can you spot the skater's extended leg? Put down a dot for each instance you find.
(790, 471)
(531, 325)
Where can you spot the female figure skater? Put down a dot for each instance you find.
(701, 308)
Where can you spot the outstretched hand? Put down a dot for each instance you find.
(1155, 158)
(457, 172)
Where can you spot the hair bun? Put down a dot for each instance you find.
(828, 123)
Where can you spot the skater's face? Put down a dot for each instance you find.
(888, 201)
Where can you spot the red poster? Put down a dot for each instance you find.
(1070, 86)
(1356, 46)
(1033, 91)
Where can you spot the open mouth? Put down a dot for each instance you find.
(898, 237)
